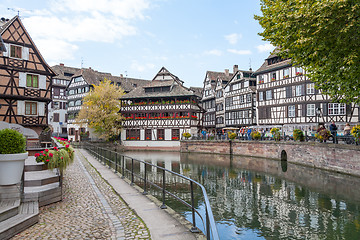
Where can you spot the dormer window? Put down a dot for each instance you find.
(15, 51)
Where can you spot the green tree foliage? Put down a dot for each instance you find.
(100, 109)
(323, 36)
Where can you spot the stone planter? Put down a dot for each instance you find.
(11, 168)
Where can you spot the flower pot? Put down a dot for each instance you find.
(11, 168)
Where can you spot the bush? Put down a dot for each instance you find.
(275, 133)
(11, 142)
(186, 135)
(323, 135)
(355, 131)
(256, 135)
(298, 135)
(232, 135)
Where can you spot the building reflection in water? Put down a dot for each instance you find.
(255, 198)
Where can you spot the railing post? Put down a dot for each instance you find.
(132, 171)
(123, 167)
(145, 179)
(194, 229)
(116, 162)
(163, 206)
(110, 159)
(207, 225)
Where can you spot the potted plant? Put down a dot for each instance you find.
(12, 156)
(232, 135)
(186, 135)
(298, 135)
(275, 133)
(256, 135)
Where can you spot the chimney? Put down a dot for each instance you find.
(227, 72)
(61, 64)
(235, 68)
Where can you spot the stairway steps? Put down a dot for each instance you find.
(39, 178)
(31, 165)
(28, 215)
(9, 208)
(44, 194)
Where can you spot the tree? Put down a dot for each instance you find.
(323, 36)
(100, 109)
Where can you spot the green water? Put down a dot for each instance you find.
(263, 199)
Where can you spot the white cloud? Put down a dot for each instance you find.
(233, 38)
(135, 65)
(215, 52)
(267, 47)
(74, 21)
(239, 52)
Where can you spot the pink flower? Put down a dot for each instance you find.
(67, 146)
(56, 148)
(47, 160)
(62, 158)
(46, 150)
(51, 155)
(41, 152)
(37, 154)
(44, 155)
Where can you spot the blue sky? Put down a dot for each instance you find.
(137, 37)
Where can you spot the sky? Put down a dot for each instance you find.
(138, 37)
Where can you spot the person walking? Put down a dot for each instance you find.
(249, 133)
(333, 131)
(347, 129)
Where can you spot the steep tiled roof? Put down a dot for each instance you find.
(62, 72)
(265, 67)
(5, 24)
(93, 77)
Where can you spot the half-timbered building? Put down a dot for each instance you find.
(58, 107)
(285, 96)
(158, 113)
(79, 86)
(240, 100)
(212, 90)
(25, 78)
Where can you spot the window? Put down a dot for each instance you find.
(261, 79)
(261, 96)
(56, 117)
(15, 51)
(336, 108)
(63, 130)
(30, 108)
(298, 71)
(56, 105)
(175, 134)
(133, 134)
(32, 80)
(298, 90)
(242, 99)
(71, 92)
(71, 131)
(286, 73)
(248, 98)
(273, 76)
(160, 134)
(147, 134)
(71, 103)
(78, 103)
(310, 110)
(291, 111)
(66, 117)
(268, 95)
(310, 88)
(78, 79)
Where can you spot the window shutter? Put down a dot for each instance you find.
(325, 109)
(286, 111)
(296, 110)
(303, 88)
(288, 92)
(56, 117)
(316, 91)
(42, 82)
(348, 110)
(304, 110)
(20, 108)
(22, 79)
(41, 108)
(25, 53)
(7, 53)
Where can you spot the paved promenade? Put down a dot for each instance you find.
(93, 209)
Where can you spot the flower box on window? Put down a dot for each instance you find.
(299, 73)
(286, 76)
(273, 79)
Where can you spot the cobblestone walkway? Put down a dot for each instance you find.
(90, 210)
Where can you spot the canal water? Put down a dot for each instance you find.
(254, 198)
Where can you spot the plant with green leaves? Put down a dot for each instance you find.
(275, 133)
(232, 135)
(322, 36)
(256, 135)
(12, 142)
(355, 131)
(186, 135)
(298, 135)
(323, 135)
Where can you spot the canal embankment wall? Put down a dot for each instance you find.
(331, 157)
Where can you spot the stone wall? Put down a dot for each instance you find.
(338, 158)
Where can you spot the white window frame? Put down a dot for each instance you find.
(310, 110)
(291, 111)
(298, 89)
(299, 71)
(286, 73)
(268, 95)
(336, 108)
(310, 88)
(261, 96)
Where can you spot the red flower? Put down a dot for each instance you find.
(37, 154)
(41, 152)
(62, 158)
(56, 148)
(51, 155)
(47, 160)
(67, 146)
(44, 155)
(46, 150)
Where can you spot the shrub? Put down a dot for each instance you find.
(11, 142)
(232, 135)
(186, 135)
(256, 135)
(275, 133)
(323, 135)
(298, 135)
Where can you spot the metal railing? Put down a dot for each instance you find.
(119, 161)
